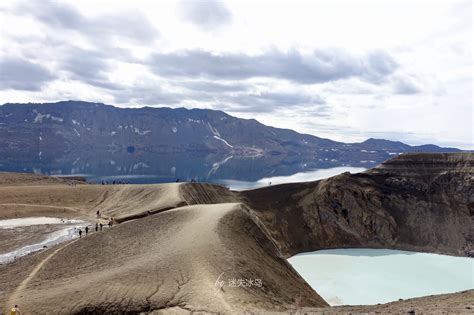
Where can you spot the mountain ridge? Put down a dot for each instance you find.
(88, 125)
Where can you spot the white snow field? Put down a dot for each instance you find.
(67, 231)
(13, 223)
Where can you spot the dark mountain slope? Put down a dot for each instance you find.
(55, 129)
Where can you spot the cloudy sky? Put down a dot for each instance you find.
(346, 70)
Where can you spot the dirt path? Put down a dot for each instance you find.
(14, 297)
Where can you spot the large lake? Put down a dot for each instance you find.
(150, 168)
(371, 276)
(307, 176)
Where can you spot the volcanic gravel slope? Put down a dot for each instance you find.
(175, 241)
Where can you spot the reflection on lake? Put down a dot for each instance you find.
(294, 178)
(146, 168)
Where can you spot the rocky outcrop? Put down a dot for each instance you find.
(422, 202)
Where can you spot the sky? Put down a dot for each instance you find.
(344, 70)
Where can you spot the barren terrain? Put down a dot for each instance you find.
(181, 247)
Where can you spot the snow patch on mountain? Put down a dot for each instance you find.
(138, 131)
(197, 121)
(225, 142)
(39, 117)
(214, 131)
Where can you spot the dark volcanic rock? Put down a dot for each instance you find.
(422, 202)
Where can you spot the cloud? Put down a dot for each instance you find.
(87, 66)
(20, 74)
(214, 87)
(147, 93)
(271, 101)
(206, 15)
(132, 24)
(405, 85)
(317, 67)
(235, 97)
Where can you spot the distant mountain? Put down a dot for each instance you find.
(67, 127)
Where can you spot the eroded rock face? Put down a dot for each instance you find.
(422, 202)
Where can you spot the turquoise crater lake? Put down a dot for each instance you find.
(371, 276)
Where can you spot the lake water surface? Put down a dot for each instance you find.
(150, 168)
(371, 276)
(307, 176)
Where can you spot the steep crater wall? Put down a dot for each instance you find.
(421, 202)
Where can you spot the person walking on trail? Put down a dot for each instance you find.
(101, 226)
(87, 230)
(15, 310)
(96, 227)
(98, 214)
(80, 233)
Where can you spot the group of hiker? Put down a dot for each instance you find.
(15, 310)
(98, 226)
(115, 182)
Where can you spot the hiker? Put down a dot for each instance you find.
(100, 226)
(15, 310)
(96, 227)
(87, 230)
(80, 233)
(98, 214)
(110, 223)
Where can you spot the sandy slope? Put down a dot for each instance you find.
(26, 179)
(118, 201)
(170, 260)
